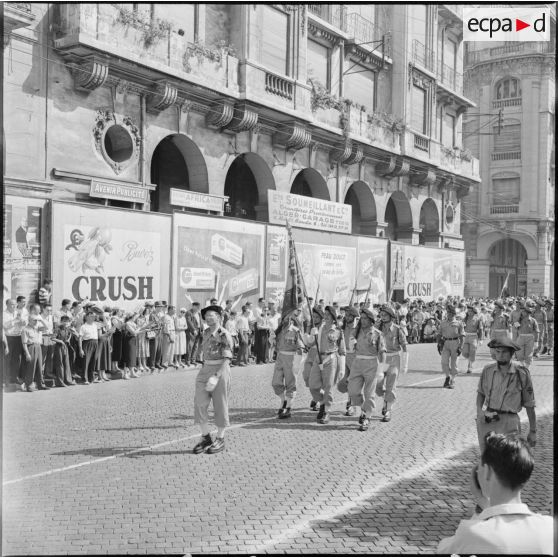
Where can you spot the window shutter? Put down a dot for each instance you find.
(317, 62)
(418, 109)
(509, 138)
(274, 40)
(505, 190)
(359, 87)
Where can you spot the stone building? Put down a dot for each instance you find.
(508, 222)
(117, 104)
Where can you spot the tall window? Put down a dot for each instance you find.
(505, 190)
(508, 88)
(417, 22)
(448, 130)
(274, 39)
(360, 87)
(509, 138)
(317, 61)
(418, 112)
(450, 53)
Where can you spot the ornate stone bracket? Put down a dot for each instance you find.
(423, 178)
(163, 96)
(292, 135)
(90, 74)
(244, 118)
(355, 156)
(386, 167)
(396, 166)
(219, 114)
(341, 153)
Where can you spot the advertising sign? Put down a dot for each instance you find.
(371, 270)
(123, 192)
(427, 273)
(233, 250)
(22, 246)
(109, 256)
(310, 213)
(276, 264)
(185, 198)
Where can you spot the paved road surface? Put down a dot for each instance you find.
(108, 469)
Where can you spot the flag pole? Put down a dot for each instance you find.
(353, 294)
(504, 286)
(299, 272)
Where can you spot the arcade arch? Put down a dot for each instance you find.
(398, 217)
(429, 222)
(309, 182)
(508, 259)
(361, 199)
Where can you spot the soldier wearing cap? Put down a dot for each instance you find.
(527, 335)
(369, 350)
(289, 343)
(213, 381)
(310, 339)
(549, 341)
(395, 342)
(450, 339)
(350, 321)
(515, 316)
(539, 313)
(500, 323)
(504, 389)
(473, 331)
(329, 364)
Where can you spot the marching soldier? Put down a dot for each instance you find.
(213, 381)
(450, 340)
(369, 350)
(504, 388)
(515, 316)
(473, 330)
(527, 336)
(539, 314)
(349, 328)
(324, 374)
(318, 316)
(549, 341)
(395, 342)
(501, 323)
(289, 343)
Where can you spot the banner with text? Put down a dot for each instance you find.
(22, 247)
(217, 258)
(309, 213)
(371, 270)
(112, 257)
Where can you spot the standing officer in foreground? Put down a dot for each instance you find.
(504, 389)
(395, 342)
(213, 381)
(450, 340)
(324, 374)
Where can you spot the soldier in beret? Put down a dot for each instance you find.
(350, 321)
(473, 330)
(327, 369)
(289, 343)
(369, 351)
(213, 381)
(310, 339)
(527, 335)
(539, 313)
(501, 323)
(504, 389)
(450, 339)
(395, 344)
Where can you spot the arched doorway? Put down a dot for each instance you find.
(360, 198)
(177, 162)
(246, 185)
(508, 259)
(309, 182)
(429, 223)
(398, 217)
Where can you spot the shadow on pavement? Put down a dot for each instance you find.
(412, 515)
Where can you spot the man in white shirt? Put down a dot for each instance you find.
(505, 525)
(13, 323)
(261, 332)
(274, 317)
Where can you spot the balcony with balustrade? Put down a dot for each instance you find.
(333, 14)
(423, 56)
(16, 16)
(367, 35)
(510, 50)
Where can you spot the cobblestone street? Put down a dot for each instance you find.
(108, 469)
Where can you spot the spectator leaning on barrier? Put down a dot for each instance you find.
(505, 526)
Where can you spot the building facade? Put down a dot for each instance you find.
(123, 105)
(508, 222)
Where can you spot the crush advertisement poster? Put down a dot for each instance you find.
(22, 247)
(217, 258)
(108, 256)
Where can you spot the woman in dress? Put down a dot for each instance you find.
(130, 346)
(104, 351)
(117, 323)
(180, 347)
(142, 341)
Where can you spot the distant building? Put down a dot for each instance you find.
(508, 222)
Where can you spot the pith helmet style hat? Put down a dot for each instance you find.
(350, 311)
(332, 311)
(213, 308)
(370, 313)
(503, 344)
(388, 310)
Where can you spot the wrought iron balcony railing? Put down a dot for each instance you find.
(364, 31)
(335, 14)
(424, 56)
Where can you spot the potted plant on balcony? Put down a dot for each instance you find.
(151, 30)
(324, 105)
(209, 61)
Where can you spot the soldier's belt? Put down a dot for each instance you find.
(450, 338)
(330, 353)
(220, 361)
(500, 412)
(526, 334)
(366, 357)
(287, 352)
(500, 330)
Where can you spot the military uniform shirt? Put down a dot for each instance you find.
(349, 334)
(218, 345)
(473, 325)
(394, 338)
(451, 329)
(529, 325)
(370, 342)
(501, 322)
(506, 392)
(550, 316)
(332, 340)
(289, 339)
